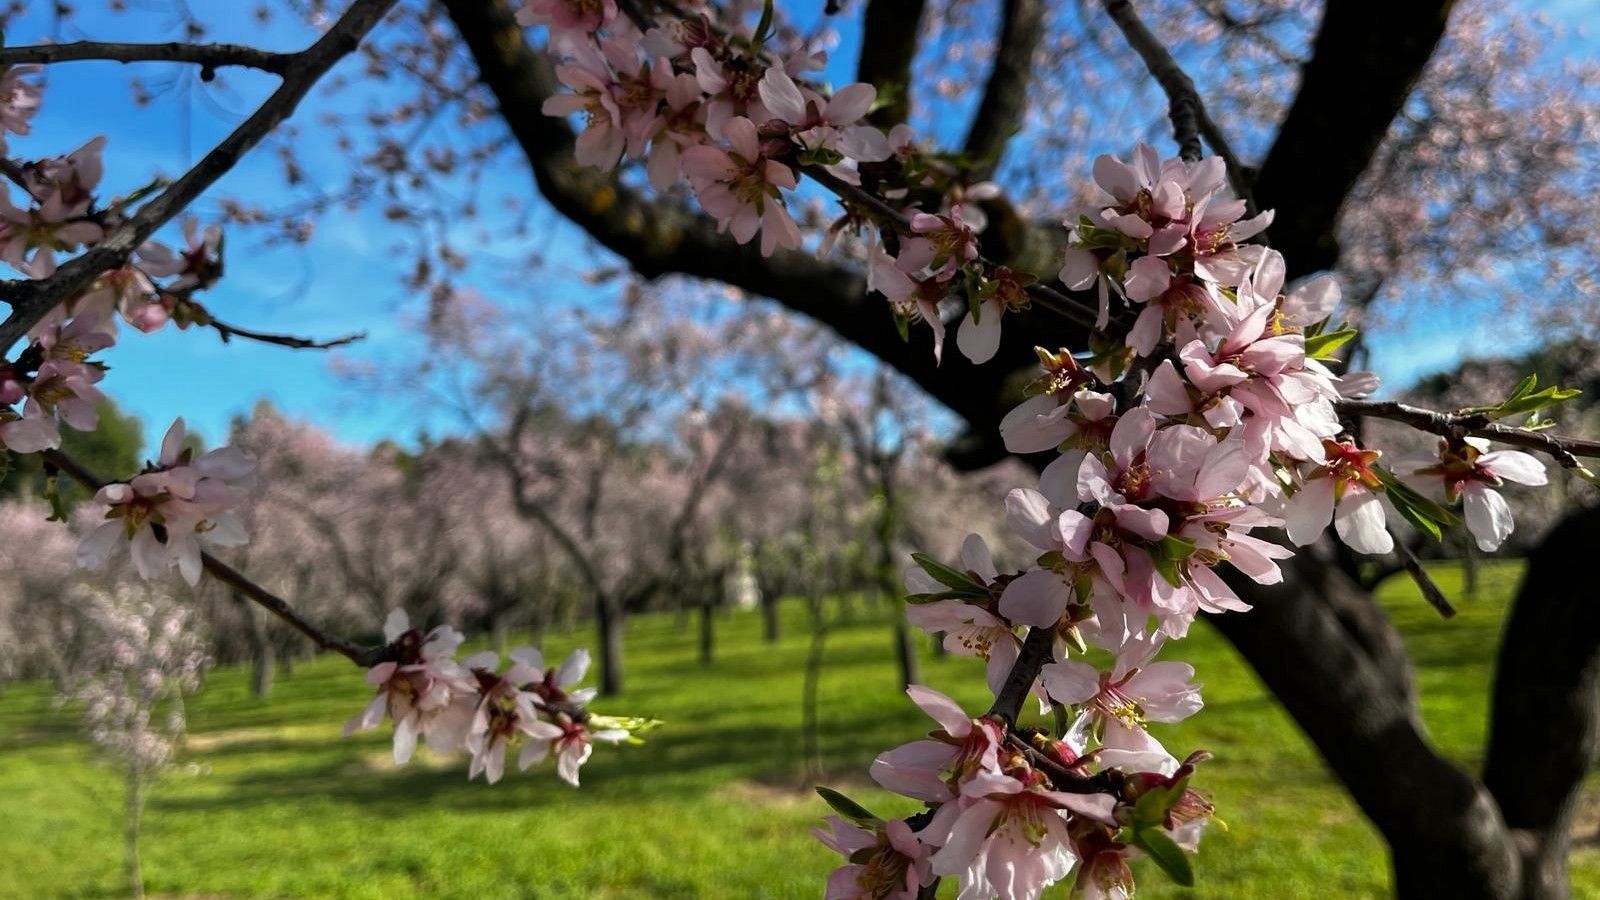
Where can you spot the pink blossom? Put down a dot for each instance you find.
(19, 100)
(932, 769)
(602, 140)
(193, 499)
(742, 189)
(580, 16)
(885, 863)
(198, 265)
(1469, 470)
(1345, 491)
(1008, 836)
(424, 691)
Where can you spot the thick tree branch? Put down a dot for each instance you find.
(31, 300)
(360, 655)
(1005, 95)
(209, 56)
(661, 237)
(888, 46)
(1544, 731)
(1329, 136)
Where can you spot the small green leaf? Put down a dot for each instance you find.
(1428, 516)
(1323, 345)
(1168, 554)
(949, 577)
(1166, 854)
(848, 808)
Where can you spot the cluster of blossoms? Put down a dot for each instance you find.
(166, 514)
(180, 502)
(708, 102)
(471, 704)
(1201, 425)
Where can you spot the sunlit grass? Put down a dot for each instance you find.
(271, 802)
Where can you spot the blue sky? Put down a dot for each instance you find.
(349, 277)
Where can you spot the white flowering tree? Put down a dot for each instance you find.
(143, 655)
(1181, 386)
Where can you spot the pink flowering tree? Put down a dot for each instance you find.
(1183, 389)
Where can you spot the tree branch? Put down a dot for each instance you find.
(888, 45)
(1037, 649)
(31, 300)
(229, 332)
(360, 655)
(1565, 450)
(210, 56)
(1327, 141)
(1189, 118)
(1005, 95)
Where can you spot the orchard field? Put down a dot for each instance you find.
(270, 801)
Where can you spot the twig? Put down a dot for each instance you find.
(1565, 450)
(31, 300)
(1037, 648)
(228, 332)
(1062, 778)
(210, 56)
(1425, 583)
(357, 653)
(1188, 113)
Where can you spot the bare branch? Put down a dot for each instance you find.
(1037, 649)
(360, 655)
(209, 56)
(31, 300)
(1188, 113)
(228, 332)
(1425, 583)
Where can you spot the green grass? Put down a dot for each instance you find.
(271, 802)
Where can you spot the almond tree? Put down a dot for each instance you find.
(1186, 388)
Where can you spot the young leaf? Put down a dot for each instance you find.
(848, 808)
(951, 578)
(1323, 345)
(1166, 854)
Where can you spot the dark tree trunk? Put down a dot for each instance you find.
(771, 628)
(608, 624)
(707, 633)
(1545, 725)
(262, 653)
(905, 651)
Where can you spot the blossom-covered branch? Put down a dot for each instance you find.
(31, 301)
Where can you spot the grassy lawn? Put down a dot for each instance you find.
(271, 802)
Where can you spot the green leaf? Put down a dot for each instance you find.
(1168, 554)
(1428, 516)
(1524, 399)
(950, 577)
(848, 808)
(764, 27)
(1323, 345)
(1166, 854)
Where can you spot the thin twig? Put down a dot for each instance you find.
(31, 300)
(357, 653)
(1189, 118)
(210, 56)
(228, 332)
(1565, 450)
(1425, 583)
